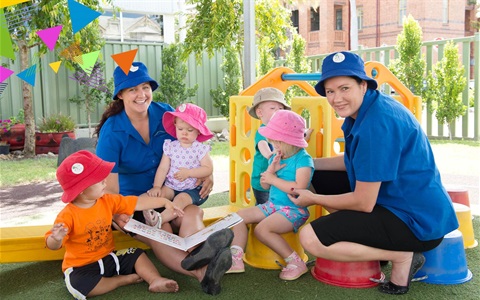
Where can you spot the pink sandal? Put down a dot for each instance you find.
(152, 218)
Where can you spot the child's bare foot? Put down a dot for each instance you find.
(163, 285)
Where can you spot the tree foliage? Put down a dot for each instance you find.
(232, 80)
(43, 14)
(410, 66)
(172, 86)
(297, 61)
(444, 86)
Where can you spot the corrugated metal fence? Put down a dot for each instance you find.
(467, 126)
(52, 90)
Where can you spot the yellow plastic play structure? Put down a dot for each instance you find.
(26, 243)
(324, 142)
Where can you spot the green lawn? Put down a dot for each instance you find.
(43, 168)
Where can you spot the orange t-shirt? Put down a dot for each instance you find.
(90, 236)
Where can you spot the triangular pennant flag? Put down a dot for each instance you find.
(125, 59)
(4, 73)
(6, 46)
(3, 86)
(87, 61)
(5, 3)
(50, 36)
(29, 75)
(55, 65)
(81, 15)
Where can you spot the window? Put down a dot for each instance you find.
(445, 11)
(338, 19)
(359, 18)
(314, 19)
(294, 18)
(402, 11)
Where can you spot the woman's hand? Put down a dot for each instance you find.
(302, 197)
(207, 186)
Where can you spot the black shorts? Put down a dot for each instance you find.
(82, 280)
(380, 229)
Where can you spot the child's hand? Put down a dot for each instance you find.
(267, 177)
(177, 211)
(275, 165)
(156, 191)
(181, 174)
(59, 231)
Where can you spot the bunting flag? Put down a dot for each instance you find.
(125, 59)
(29, 75)
(4, 73)
(81, 15)
(50, 36)
(55, 66)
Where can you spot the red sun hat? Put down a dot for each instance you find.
(191, 114)
(79, 171)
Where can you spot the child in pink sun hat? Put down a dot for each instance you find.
(184, 161)
(290, 167)
(91, 265)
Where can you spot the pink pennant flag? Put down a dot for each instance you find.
(50, 36)
(4, 73)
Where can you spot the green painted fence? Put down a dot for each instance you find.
(52, 90)
(467, 126)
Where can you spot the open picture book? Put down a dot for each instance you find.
(174, 240)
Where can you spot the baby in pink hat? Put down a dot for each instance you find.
(184, 161)
(91, 264)
(290, 167)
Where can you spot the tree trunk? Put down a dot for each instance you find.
(449, 131)
(89, 118)
(29, 146)
(242, 70)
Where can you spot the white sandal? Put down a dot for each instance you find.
(153, 218)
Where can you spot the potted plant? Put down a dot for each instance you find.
(51, 130)
(4, 147)
(12, 131)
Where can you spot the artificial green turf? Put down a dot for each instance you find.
(43, 280)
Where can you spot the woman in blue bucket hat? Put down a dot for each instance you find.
(384, 194)
(131, 135)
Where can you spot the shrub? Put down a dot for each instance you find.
(56, 123)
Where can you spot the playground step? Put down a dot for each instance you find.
(26, 243)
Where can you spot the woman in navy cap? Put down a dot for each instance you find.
(384, 194)
(131, 135)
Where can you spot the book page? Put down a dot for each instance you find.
(200, 236)
(156, 234)
(174, 240)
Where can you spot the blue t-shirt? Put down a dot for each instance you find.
(386, 144)
(260, 163)
(135, 162)
(300, 160)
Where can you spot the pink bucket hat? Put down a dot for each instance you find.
(79, 171)
(285, 126)
(193, 115)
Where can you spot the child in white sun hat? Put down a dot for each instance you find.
(184, 161)
(289, 168)
(91, 264)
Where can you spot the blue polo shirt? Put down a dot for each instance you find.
(386, 143)
(135, 161)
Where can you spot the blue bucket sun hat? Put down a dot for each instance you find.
(343, 64)
(137, 74)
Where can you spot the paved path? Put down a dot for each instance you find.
(38, 203)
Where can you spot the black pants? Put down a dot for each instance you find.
(379, 229)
